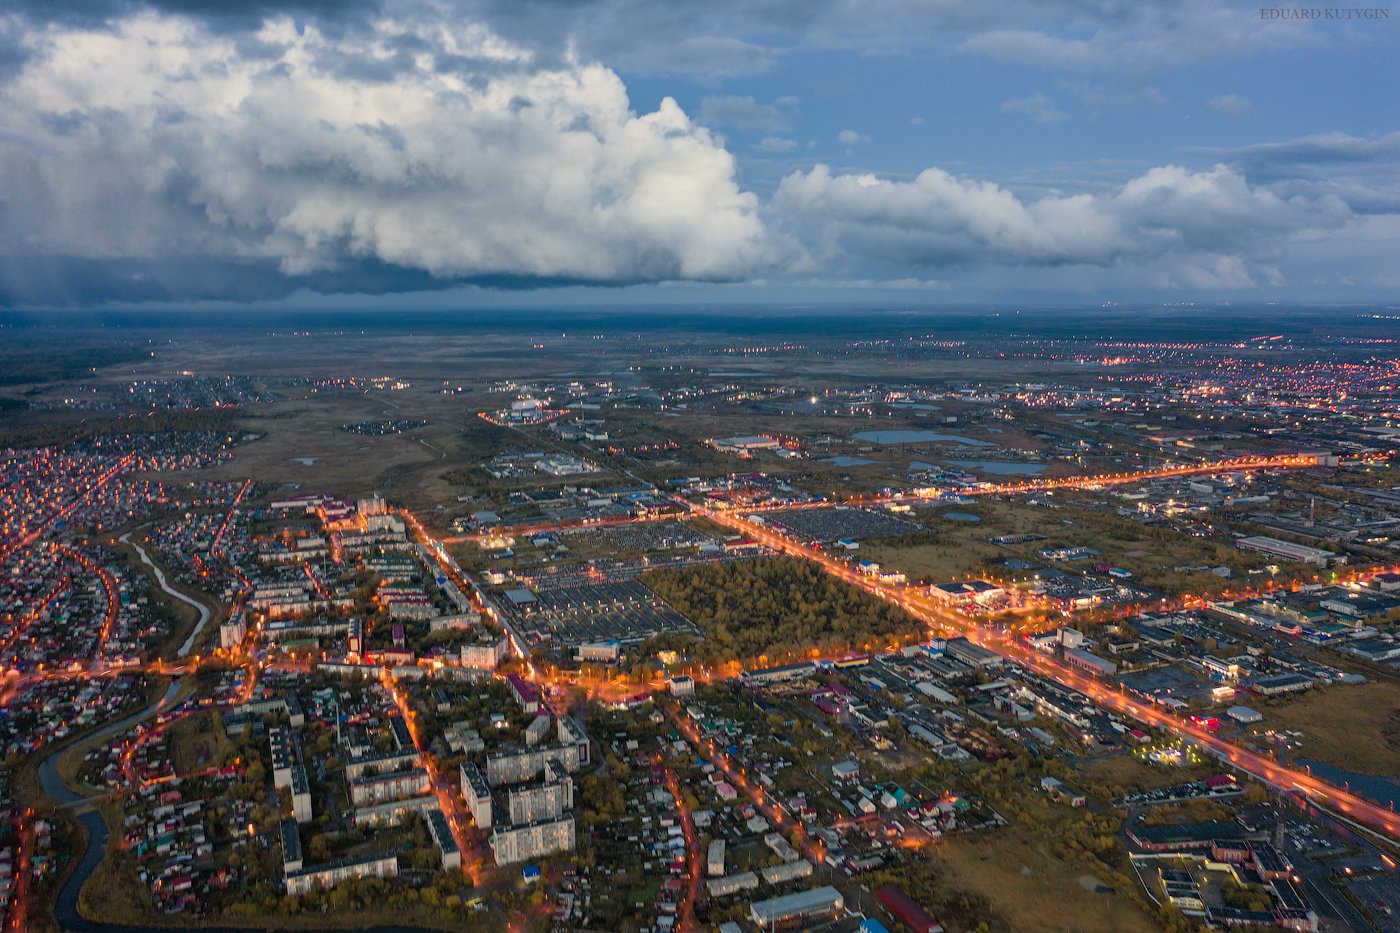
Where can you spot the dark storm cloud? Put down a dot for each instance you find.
(73, 281)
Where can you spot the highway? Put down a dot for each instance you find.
(1098, 480)
(1107, 695)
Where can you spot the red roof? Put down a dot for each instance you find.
(909, 913)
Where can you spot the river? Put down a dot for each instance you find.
(203, 610)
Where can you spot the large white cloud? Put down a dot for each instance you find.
(156, 156)
(937, 219)
(159, 141)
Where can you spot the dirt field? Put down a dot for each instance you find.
(1357, 728)
(1034, 891)
(302, 442)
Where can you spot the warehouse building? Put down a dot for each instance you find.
(797, 908)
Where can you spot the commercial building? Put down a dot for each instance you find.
(972, 655)
(1101, 667)
(743, 444)
(966, 591)
(1280, 683)
(1244, 715)
(605, 652)
(1286, 550)
(795, 908)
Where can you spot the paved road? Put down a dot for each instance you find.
(204, 613)
(1338, 801)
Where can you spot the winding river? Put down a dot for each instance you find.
(204, 613)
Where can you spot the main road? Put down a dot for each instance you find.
(1093, 481)
(1110, 696)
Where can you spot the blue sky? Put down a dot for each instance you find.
(431, 153)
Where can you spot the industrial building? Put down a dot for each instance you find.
(1285, 550)
(796, 908)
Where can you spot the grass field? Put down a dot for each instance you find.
(1035, 891)
(1353, 727)
(196, 742)
(1124, 774)
(961, 548)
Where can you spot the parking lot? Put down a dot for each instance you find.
(1161, 682)
(1381, 896)
(627, 612)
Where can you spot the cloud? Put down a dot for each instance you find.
(717, 39)
(777, 144)
(1318, 149)
(1038, 107)
(1231, 105)
(162, 156)
(939, 220)
(1136, 38)
(159, 159)
(745, 113)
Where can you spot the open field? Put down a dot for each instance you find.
(301, 443)
(1353, 727)
(1035, 891)
(1124, 774)
(959, 548)
(196, 742)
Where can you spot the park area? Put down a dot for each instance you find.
(778, 609)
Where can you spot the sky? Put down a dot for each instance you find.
(459, 153)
